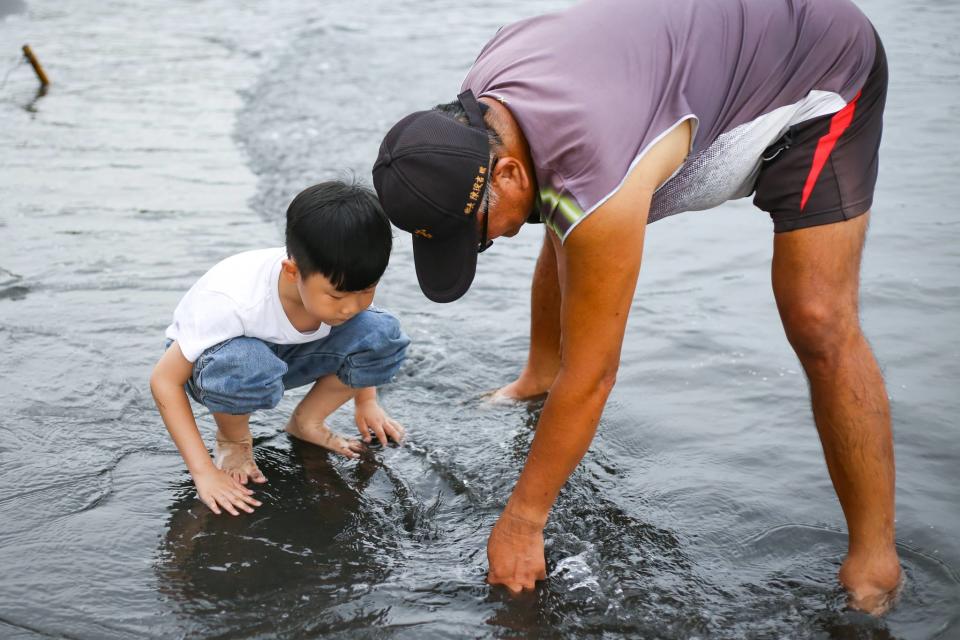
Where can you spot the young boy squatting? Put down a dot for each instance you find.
(264, 321)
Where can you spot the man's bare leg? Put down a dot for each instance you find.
(543, 358)
(233, 451)
(308, 421)
(816, 283)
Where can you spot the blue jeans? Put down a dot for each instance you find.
(241, 375)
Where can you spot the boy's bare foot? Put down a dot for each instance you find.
(323, 436)
(235, 457)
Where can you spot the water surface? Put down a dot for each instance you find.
(176, 133)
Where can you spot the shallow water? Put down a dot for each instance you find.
(175, 134)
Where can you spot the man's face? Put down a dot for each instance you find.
(507, 211)
(325, 303)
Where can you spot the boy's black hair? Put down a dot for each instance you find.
(339, 230)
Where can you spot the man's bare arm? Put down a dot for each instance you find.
(600, 263)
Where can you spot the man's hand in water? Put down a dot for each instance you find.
(515, 553)
(217, 489)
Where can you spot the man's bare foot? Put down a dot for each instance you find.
(519, 390)
(873, 584)
(235, 457)
(323, 436)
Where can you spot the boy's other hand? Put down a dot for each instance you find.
(217, 489)
(370, 416)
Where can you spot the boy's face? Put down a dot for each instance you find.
(324, 302)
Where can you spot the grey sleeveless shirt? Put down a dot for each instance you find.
(595, 86)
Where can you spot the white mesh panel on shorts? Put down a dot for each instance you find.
(728, 168)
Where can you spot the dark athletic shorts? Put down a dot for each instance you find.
(824, 170)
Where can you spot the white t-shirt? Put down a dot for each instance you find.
(239, 296)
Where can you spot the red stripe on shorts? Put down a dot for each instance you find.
(838, 124)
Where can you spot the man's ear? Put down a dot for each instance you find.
(290, 270)
(510, 173)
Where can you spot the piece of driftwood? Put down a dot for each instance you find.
(38, 69)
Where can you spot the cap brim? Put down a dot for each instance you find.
(445, 268)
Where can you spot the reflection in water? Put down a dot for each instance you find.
(312, 546)
(32, 106)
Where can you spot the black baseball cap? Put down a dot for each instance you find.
(431, 176)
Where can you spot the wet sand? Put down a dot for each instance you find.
(175, 134)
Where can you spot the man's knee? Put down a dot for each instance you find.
(818, 331)
(376, 353)
(238, 376)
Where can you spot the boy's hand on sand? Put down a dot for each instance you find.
(217, 489)
(370, 416)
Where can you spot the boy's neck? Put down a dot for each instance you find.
(293, 306)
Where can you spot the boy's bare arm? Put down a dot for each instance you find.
(166, 383)
(213, 486)
(365, 395)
